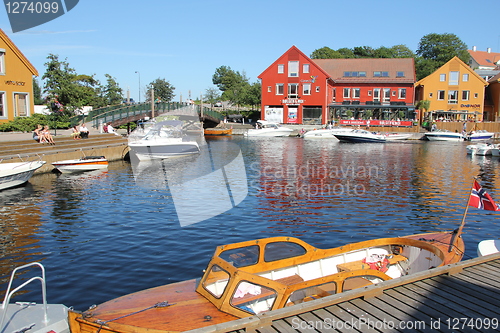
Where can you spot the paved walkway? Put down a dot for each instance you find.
(19, 136)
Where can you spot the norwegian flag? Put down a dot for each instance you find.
(479, 198)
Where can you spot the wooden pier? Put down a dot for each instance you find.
(462, 297)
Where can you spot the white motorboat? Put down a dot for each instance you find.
(31, 317)
(361, 136)
(481, 149)
(326, 133)
(87, 163)
(163, 140)
(15, 174)
(489, 246)
(444, 135)
(479, 135)
(265, 128)
(397, 136)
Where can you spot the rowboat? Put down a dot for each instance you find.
(218, 131)
(86, 163)
(253, 277)
(15, 174)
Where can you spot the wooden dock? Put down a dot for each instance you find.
(462, 297)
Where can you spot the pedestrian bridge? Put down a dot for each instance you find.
(123, 114)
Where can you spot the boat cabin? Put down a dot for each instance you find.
(256, 276)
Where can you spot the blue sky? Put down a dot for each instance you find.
(185, 41)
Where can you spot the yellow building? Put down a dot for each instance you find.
(455, 92)
(16, 81)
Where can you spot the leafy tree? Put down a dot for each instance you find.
(225, 78)
(163, 90)
(111, 93)
(37, 93)
(442, 47)
(364, 52)
(252, 94)
(402, 51)
(211, 95)
(325, 53)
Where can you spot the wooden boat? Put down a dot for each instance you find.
(218, 131)
(256, 276)
(15, 174)
(87, 163)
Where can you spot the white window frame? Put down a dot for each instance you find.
(2, 61)
(347, 93)
(3, 105)
(387, 95)
(442, 77)
(454, 77)
(317, 89)
(376, 94)
(402, 93)
(293, 68)
(278, 86)
(356, 93)
(290, 93)
(465, 95)
(452, 100)
(465, 77)
(305, 68)
(306, 89)
(441, 95)
(27, 105)
(281, 69)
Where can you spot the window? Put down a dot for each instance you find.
(293, 68)
(442, 77)
(380, 74)
(376, 95)
(355, 92)
(402, 93)
(282, 250)
(21, 105)
(216, 281)
(465, 78)
(306, 89)
(305, 68)
(280, 90)
(465, 95)
(293, 90)
(269, 89)
(476, 95)
(2, 61)
(317, 89)
(453, 78)
(253, 298)
(281, 69)
(355, 74)
(453, 97)
(334, 93)
(440, 95)
(347, 93)
(400, 74)
(387, 95)
(242, 256)
(3, 113)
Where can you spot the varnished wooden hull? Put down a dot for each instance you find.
(189, 305)
(218, 131)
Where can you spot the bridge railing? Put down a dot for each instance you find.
(120, 112)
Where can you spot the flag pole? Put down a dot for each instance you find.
(458, 232)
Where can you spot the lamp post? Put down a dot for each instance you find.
(139, 85)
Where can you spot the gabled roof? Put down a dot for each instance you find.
(494, 79)
(280, 61)
(18, 53)
(336, 68)
(485, 59)
(462, 65)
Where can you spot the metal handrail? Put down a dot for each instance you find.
(9, 293)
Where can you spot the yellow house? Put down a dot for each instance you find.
(16, 81)
(455, 92)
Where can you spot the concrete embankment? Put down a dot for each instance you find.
(111, 146)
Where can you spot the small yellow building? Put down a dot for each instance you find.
(455, 92)
(16, 81)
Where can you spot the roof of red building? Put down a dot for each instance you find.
(484, 58)
(336, 68)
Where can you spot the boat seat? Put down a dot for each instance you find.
(359, 264)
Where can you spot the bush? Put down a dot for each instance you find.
(28, 124)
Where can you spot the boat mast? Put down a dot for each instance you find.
(458, 232)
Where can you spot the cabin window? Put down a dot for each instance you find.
(216, 281)
(359, 281)
(253, 298)
(241, 257)
(282, 250)
(312, 293)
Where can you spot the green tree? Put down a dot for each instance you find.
(402, 51)
(252, 94)
(211, 96)
(325, 53)
(37, 93)
(111, 93)
(163, 90)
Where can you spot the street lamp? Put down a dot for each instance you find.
(139, 85)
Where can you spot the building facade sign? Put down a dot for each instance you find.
(376, 122)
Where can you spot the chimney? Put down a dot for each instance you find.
(488, 50)
(474, 48)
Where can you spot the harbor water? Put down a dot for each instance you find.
(106, 234)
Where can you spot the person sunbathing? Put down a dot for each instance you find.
(47, 135)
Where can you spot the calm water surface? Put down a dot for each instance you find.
(102, 235)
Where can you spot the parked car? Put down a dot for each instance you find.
(218, 104)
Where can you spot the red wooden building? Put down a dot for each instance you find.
(297, 89)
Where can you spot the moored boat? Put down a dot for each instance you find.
(444, 135)
(268, 129)
(218, 131)
(488, 246)
(86, 163)
(257, 276)
(15, 174)
(479, 135)
(360, 136)
(481, 149)
(398, 136)
(326, 133)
